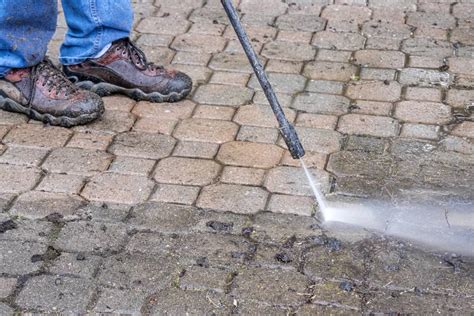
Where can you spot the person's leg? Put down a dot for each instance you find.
(123, 68)
(92, 25)
(29, 83)
(26, 27)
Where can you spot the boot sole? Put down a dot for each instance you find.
(104, 89)
(10, 105)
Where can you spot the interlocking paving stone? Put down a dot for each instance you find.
(36, 204)
(201, 279)
(199, 302)
(288, 204)
(424, 77)
(60, 294)
(305, 23)
(381, 59)
(239, 175)
(374, 90)
(196, 149)
(214, 112)
(163, 25)
(205, 130)
(260, 115)
(77, 161)
(465, 129)
(16, 257)
(92, 140)
(291, 180)
(143, 145)
(232, 62)
(234, 198)
(423, 94)
(247, 154)
(26, 230)
(111, 122)
(420, 131)
(273, 286)
(170, 111)
(119, 103)
(120, 301)
(198, 43)
(7, 285)
(117, 188)
(285, 83)
(270, 7)
(342, 41)
(222, 95)
(316, 120)
(427, 47)
(16, 179)
(76, 264)
(186, 171)
(320, 70)
(23, 156)
(358, 124)
(319, 140)
(163, 217)
(6, 310)
(321, 103)
(257, 134)
(357, 14)
(91, 237)
(289, 51)
(380, 30)
(130, 165)
(423, 112)
(37, 136)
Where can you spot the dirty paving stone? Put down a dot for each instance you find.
(196, 207)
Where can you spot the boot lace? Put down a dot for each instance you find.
(54, 79)
(137, 56)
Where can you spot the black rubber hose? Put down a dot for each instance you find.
(286, 129)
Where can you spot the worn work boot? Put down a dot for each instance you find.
(43, 93)
(124, 69)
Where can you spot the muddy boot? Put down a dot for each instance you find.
(124, 69)
(43, 93)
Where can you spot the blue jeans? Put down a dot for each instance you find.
(27, 26)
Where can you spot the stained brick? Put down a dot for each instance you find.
(179, 194)
(329, 71)
(304, 23)
(16, 179)
(321, 103)
(197, 43)
(116, 188)
(293, 181)
(368, 125)
(374, 90)
(255, 155)
(77, 161)
(289, 51)
(205, 130)
(381, 59)
(423, 112)
(37, 136)
(346, 13)
(234, 198)
(239, 175)
(342, 41)
(288, 204)
(186, 171)
(143, 145)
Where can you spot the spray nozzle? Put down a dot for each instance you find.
(292, 141)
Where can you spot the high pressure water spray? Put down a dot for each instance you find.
(286, 129)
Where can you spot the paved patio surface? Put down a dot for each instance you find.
(196, 208)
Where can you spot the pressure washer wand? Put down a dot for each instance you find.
(287, 130)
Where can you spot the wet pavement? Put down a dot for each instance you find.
(196, 207)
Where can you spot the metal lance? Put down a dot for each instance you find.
(286, 129)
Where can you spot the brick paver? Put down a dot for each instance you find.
(196, 207)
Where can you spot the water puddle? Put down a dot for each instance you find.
(439, 224)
